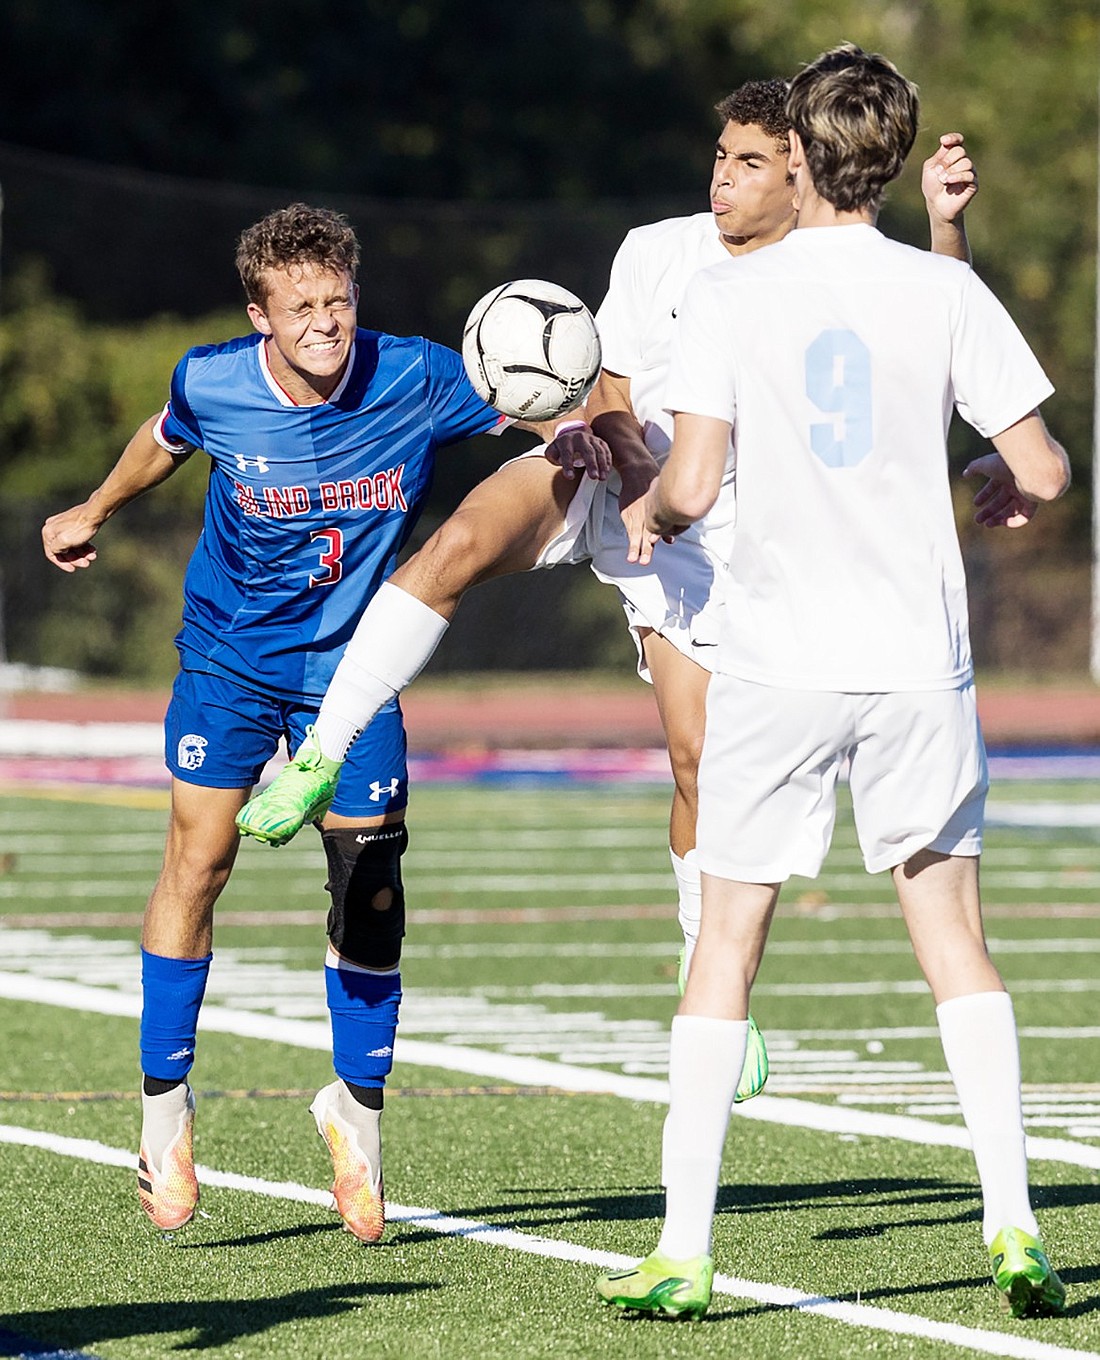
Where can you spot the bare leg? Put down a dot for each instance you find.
(499, 528)
(680, 688)
(199, 852)
(941, 904)
(736, 918)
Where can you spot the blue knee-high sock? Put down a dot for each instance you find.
(172, 991)
(363, 1007)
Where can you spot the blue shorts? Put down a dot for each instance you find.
(220, 734)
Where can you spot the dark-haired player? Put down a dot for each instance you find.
(526, 514)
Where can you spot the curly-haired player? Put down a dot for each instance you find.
(322, 438)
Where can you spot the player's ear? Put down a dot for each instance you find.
(796, 156)
(258, 317)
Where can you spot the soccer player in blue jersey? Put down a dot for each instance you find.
(321, 438)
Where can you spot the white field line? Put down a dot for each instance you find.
(778, 1296)
(525, 1071)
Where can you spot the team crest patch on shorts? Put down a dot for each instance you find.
(191, 751)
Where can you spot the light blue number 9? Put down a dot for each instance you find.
(838, 381)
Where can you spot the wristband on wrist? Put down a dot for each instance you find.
(564, 425)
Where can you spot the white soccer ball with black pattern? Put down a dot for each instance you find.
(531, 349)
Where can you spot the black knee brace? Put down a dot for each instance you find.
(366, 922)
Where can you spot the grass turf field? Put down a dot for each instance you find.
(522, 1131)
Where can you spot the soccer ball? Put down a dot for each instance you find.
(531, 349)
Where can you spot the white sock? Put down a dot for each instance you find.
(978, 1033)
(689, 885)
(704, 1061)
(161, 1118)
(392, 643)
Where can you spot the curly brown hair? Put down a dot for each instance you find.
(759, 103)
(295, 235)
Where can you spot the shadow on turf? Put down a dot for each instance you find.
(1073, 1280)
(255, 1239)
(216, 1323)
(580, 1205)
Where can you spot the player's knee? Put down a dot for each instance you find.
(456, 544)
(685, 746)
(191, 871)
(366, 922)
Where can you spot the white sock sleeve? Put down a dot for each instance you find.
(392, 643)
(979, 1042)
(689, 887)
(704, 1062)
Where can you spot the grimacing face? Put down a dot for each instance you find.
(308, 318)
(751, 195)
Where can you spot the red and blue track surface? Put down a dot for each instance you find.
(555, 732)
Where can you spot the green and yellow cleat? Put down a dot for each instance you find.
(300, 793)
(754, 1070)
(1024, 1277)
(675, 1289)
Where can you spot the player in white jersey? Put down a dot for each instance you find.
(532, 513)
(835, 358)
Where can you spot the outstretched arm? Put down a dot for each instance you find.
(67, 537)
(949, 182)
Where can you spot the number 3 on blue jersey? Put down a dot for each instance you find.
(331, 543)
(838, 382)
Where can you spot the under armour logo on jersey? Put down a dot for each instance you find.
(191, 751)
(377, 790)
(243, 463)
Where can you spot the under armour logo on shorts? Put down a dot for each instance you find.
(191, 752)
(377, 790)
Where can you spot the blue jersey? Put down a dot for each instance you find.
(307, 506)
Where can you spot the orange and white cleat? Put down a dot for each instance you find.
(354, 1139)
(168, 1189)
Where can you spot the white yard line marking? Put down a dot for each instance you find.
(528, 1071)
(852, 1314)
(1055, 815)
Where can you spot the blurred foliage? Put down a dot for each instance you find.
(526, 143)
(72, 393)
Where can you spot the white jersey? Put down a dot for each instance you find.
(636, 321)
(649, 274)
(677, 594)
(838, 356)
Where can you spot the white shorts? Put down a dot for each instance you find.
(771, 759)
(677, 594)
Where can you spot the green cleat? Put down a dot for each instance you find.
(300, 793)
(678, 1289)
(1023, 1275)
(754, 1070)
